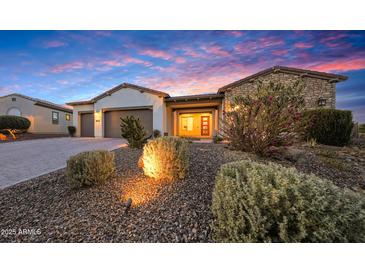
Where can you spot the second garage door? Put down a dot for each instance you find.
(112, 121)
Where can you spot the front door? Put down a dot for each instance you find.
(204, 126)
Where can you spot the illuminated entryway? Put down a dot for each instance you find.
(196, 125)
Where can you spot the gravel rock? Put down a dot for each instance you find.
(165, 212)
(46, 209)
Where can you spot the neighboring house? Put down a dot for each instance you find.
(196, 116)
(45, 117)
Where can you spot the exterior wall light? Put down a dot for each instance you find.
(321, 102)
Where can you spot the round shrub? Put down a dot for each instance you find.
(165, 158)
(254, 202)
(71, 130)
(328, 126)
(90, 167)
(14, 122)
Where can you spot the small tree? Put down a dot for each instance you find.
(133, 131)
(265, 119)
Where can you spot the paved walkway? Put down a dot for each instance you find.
(23, 160)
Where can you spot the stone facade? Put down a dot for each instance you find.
(315, 88)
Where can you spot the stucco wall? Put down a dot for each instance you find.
(314, 89)
(39, 116)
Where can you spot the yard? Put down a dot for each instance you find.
(47, 210)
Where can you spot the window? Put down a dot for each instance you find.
(68, 117)
(13, 99)
(187, 123)
(14, 111)
(55, 117)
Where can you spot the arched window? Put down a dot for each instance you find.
(14, 111)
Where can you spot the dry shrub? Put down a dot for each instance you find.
(165, 158)
(264, 119)
(90, 167)
(254, 202)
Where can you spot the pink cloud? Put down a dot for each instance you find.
(280, 52)
(216, 50)
(68, 67)
(54, 44)
(180, 60)
(193, 53)
(156, 54)
(235, 33)
(341, 65)
(270, 41)
(302, 45)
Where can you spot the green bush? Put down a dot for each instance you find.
(254, 202)
(165, 158)
(156, 133)
(71, 130)
(90, 167)
(328, 126)
(133, 131)
(14, 122)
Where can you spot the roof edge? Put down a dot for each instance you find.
(40, 102)
(116, 88)
(301, 72)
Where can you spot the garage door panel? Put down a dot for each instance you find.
(112, 121)
(87, 125)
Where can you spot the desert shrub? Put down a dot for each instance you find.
(133, 131)
(90, 167)
(254, 202)
(71, 130)
(217, 138)
(328, 126)
(14, 123)
(156, 133)
(265, 118)
(165, 158)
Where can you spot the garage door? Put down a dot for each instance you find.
(87, 125)
(112, 121)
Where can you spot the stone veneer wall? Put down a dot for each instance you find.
(314, 89)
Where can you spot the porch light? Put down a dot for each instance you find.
(321, 102)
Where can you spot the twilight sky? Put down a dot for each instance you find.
(63, 66)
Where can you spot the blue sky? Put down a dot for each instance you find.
(63, 66)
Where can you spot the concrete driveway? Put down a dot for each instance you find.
(23, 160)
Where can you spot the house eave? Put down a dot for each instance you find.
(334, 78)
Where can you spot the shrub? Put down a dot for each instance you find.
(328, 126)
(71, 130)
(264, 119)
(90, 167)
(14, 123)
(156, 133)
(254, 202)
(133, 131)
(217, 139)
(165, 158)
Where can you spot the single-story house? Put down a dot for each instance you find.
(45, 117)
(196, 116)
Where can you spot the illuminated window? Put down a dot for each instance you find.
(68, 117)
(55, 117)
(187, 123)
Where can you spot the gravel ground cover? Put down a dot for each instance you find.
(45, 209)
